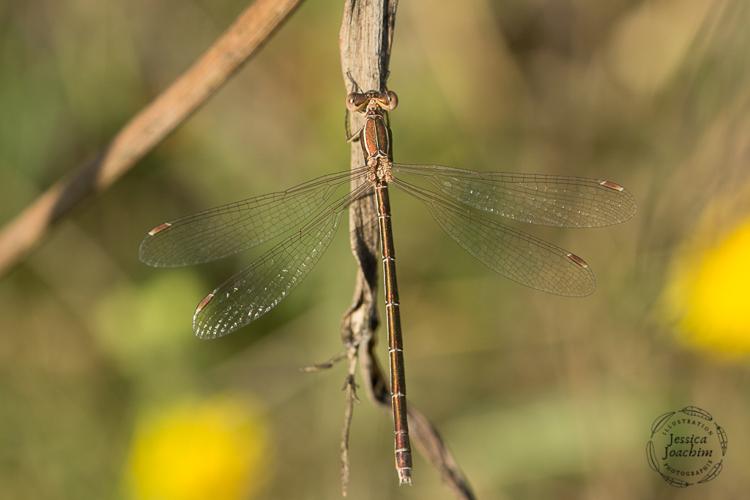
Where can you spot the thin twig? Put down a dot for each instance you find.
(431, 445)
(148, 128)
(350, 387)
(361, 45)
(365, 43)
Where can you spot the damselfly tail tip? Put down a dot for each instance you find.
(404, 476)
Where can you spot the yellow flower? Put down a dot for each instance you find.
(708, 293)
(216, 448)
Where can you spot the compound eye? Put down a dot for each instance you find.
(354, 101)
(392, 100)
(351, 104)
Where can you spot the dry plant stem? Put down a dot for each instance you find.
(365, 42)
(148, 128)
(350, 387)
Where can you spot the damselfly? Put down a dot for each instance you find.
(303, 220)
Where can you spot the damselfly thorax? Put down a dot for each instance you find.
(375, 135)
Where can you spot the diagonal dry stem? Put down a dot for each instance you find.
(146, 129)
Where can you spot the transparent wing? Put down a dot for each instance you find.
(232, 228)
(514, 254)
(257, 289)
(550, 200)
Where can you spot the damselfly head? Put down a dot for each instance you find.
(356, 101)
(362, 101)
(391, 100)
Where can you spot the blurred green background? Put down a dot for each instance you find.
(105, 392)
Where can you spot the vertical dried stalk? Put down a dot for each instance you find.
(365, 42)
